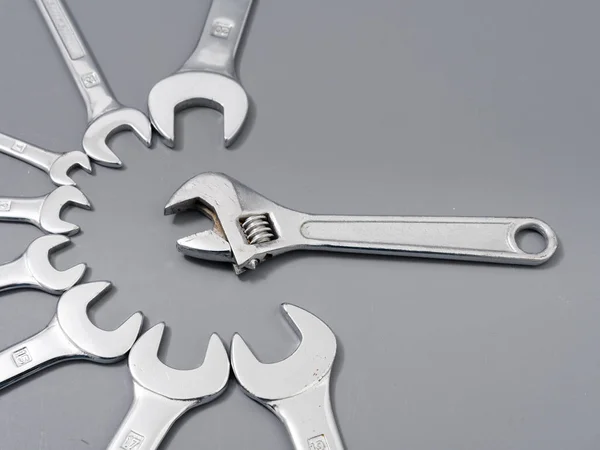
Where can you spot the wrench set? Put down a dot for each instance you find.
(248, 230)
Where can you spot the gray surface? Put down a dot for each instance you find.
(375, 107)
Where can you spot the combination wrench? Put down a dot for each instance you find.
(70, 335)
(163, 394)
(44, 212)
(56, 165)
(250, 228)
(106, 116)
(296, 390)
(33, 269)
(208, 78)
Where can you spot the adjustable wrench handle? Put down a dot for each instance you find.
(37, 157)
(42, 350)
(223, 30)
(309, 419)
(489, 239)
(148, 420)
(94, 90)
(21, 210)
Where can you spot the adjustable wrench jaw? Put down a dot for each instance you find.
(107, 125)
(188, 89)
(248, 227)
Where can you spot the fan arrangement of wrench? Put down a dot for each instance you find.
(248, 230)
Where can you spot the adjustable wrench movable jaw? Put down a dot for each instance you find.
(230, 204)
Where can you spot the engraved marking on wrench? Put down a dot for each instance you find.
(318, 443)
(133, 441)
(90, 80)
(5, 205)
(19, 146)
(22, 357)
(66, 33)
(221, 28)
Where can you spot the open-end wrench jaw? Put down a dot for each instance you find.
(202, 384)
(189, 89)
(309, 366)
(107, 125)
(59, 170)
(53, 205)
(43, 275)
(95, 344)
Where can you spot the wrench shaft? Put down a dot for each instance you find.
(309, 419)
(21, 210)
(37, 157)
(48, 347)
(148, 420)
(472, 238)
(84, 69)
(15, 275)
(220, 39)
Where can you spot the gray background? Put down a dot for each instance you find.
(436, 107)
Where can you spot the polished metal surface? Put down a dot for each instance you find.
(70, 335)
(297, 390)
(249, 228)
(34, 270)
(163, 394)
(208, 78)
(44, 212)
(56, 165)
(106, 116)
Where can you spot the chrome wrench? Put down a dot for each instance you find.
(70, 335)
(162, 394)
(250, 228)
(208, 77)
(296, 390)
(56, 165)
(106, 116)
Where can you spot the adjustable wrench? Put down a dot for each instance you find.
(70, 335)
(44, 212)
(296, 390)
(162, 394)
(208, 78)
(57, 165)
(33, 269)
(106, 116)
(250, 228)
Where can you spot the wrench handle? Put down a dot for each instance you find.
(148, 420)
(48, 347)
(21, 210)
(37, 157)
(310, 420)
(220, 39)
(488, 239)
(16, 275)
(84, 69)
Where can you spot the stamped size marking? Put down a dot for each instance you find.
(133, 441)
(5, 205)
(318, 443)
(22, 357)
(90, 80)
(64, 29)
(19, 146)
(221, 29)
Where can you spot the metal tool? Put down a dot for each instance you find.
(162, 394)
(106, 116)
(57, 165)
(208, 78)
(70, 335)
(250, 228)
(297, 390)
(44, 212)
(33, 269)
